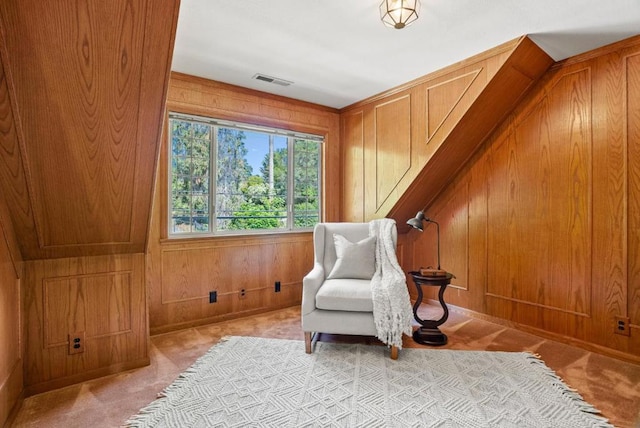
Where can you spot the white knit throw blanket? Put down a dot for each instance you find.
(392, 310)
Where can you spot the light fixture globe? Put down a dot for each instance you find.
(399, 13)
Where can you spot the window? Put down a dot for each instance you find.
(229, 177)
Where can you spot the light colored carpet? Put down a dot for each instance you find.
(258, 382)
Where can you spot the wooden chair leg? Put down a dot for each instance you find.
(394, 352)
(307, 342)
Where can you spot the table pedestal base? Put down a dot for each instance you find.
(430, 336)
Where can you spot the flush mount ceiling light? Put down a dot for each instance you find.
(399, 13)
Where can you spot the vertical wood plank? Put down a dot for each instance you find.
(633, 137)
(353, 165)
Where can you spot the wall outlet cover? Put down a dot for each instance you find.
(76, 342)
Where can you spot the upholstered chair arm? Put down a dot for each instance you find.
(310, 285)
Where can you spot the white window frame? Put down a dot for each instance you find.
(213, 156)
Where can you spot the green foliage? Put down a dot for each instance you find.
(190, 147)
(243, 201)
(265, 213)
(279, 171)
(306, 183)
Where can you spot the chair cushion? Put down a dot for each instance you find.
(354, 260)
(345, 295)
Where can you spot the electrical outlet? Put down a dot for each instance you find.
(622, 326)
(277, 286)
(76, 342)
(242, 294)
(213, 296)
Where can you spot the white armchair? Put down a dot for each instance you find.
(336, 294)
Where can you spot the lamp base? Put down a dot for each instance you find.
(429, 336)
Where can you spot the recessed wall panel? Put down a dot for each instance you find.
(539, 205)
(393, 145)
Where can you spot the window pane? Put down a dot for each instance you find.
(252, 182)
(306, 201)
(190, 151)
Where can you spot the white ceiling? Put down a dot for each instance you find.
(338, 52)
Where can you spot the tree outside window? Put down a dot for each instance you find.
(260, 179)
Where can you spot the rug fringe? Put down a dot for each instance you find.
(183, 379)
(568, 391)
(578, 411)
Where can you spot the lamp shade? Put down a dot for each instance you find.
(399, 13)
(417, 221)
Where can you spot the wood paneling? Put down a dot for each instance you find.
(551, 206)
(182, 272)
(86, 88)
(11, 346)
(189, 272)
(632, 71)
(352, 142)
(443, 97)
(102, 296)
(442, 119)
(11, 167)
(540, 232)
(504, 77)
(392, 124)
(98, 304)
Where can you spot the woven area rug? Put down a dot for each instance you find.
(257, 382)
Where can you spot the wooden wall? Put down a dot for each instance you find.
(86, 83)
(100, 299)
(11, 352)
(542, 226)
(401, 148)
(82, 94)
(182, 272)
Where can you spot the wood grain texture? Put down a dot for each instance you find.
(392, 124)
(352, 142)
(507, 79)
(553, 208)
(450, 113)
(103, 296)
(11, 350)
(540, 232)
(632, 72)
(194, 95)
(182, 272)
(102, 70)
(12, 170)
(610, 171)
(443, 97)
(189, 272)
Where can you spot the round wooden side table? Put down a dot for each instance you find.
(429, 333)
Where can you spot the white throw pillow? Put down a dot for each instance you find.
(357, 261)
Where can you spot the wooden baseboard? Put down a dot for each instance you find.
(591, 347)
(219, 318)
(83, 377)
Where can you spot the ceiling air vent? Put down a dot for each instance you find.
(270, 79)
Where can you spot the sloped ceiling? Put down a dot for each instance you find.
(338, 52)
(82, 94)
